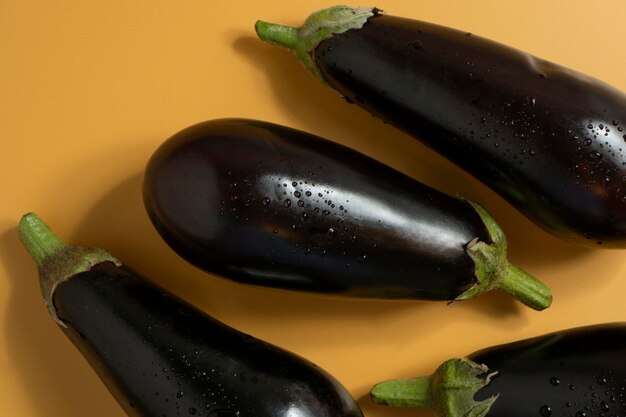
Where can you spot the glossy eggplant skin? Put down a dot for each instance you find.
(268, 205)
(162, 357)
(546, 138)
(576, 372)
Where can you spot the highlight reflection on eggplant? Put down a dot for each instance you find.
(548, 139)
(268, 205)
(576, 372)
(161, 357)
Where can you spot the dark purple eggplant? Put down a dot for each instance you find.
(161, 357)
(579, 372)
(264, 204)
(548, 139)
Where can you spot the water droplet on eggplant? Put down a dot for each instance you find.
(545, 410)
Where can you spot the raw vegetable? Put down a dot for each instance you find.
(548, 139)
(161, 357)
(577, 372)
(264, 204)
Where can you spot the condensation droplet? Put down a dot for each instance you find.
(287, 203)
(555, 381)
(604, 406)
(266, 201)
(545, 410)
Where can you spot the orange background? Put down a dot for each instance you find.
(89, 89)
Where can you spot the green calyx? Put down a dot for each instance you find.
(494, 271)
(320, 25)
(449, 392)
(56, 261)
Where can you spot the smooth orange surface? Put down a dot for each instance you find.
(89, 89)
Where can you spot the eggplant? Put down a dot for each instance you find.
(264, 204)
(158, 355)
(547, 139)
(576, 372)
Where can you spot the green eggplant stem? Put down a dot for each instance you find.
(56, 261)
(449, 391)
(494, 271)
(412, 392)
(281, 35)
(321, 25)
(38, 239)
